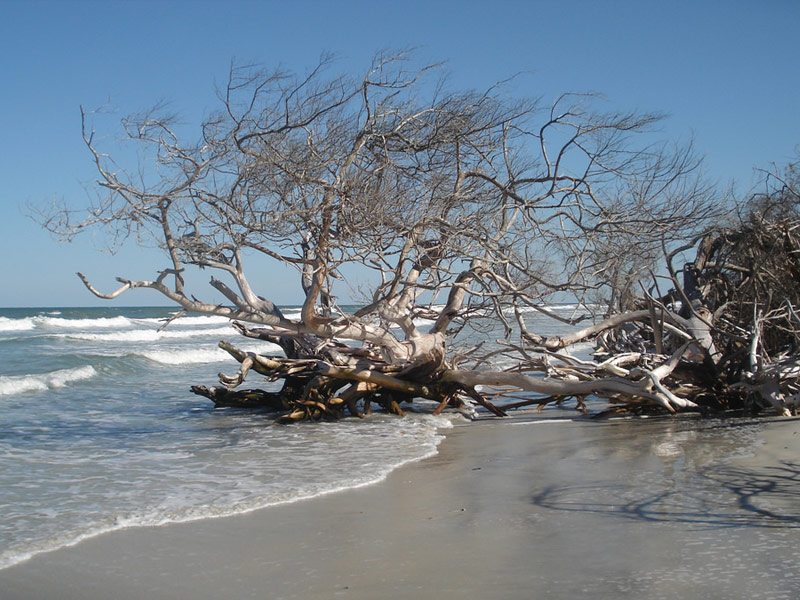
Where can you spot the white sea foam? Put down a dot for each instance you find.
(186, 357)
(7, 324)
(203, 320)
(147, 335)
(194, 320)
(419, 323)
(51, 323)
(100, 323)
(203, 355)
(173, 494)
(18, 384)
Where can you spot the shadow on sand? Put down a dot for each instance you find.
(715, 496)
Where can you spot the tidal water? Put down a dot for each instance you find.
(99, 431)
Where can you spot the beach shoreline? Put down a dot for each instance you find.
(507, 509)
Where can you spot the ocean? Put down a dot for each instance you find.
(99, 431)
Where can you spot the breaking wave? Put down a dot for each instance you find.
(99, 323)
(7, 324)
(51, 323)
(202, 355)
(200, 320)
(18, 384)
(147, 335)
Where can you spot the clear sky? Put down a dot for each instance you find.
(726, 71)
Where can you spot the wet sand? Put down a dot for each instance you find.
(520, 508)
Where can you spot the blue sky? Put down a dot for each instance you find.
(725, 71)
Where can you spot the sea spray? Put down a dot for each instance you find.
(20, 384)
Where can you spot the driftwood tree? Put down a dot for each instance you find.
(465, 209)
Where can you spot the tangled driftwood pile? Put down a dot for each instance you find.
(725, 337)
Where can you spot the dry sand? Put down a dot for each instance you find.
(508, 509)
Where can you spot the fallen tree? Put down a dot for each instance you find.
(468, 212)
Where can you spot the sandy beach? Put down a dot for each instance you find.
(519, 508)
